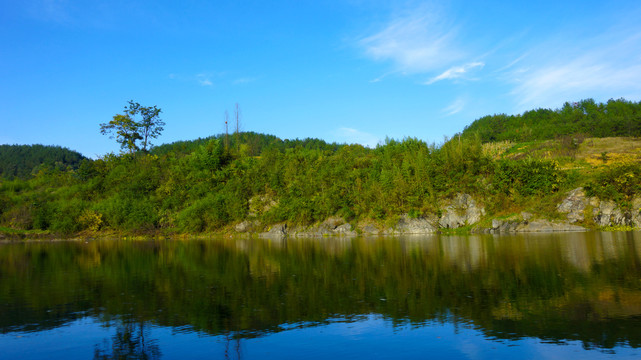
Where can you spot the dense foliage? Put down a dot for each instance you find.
(23, 161)
(586, 117)
(246, 143)
(213, 183)
(207, 185)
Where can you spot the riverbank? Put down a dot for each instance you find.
(311, 188)
(461, 215)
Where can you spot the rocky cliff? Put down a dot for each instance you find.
(579, 210)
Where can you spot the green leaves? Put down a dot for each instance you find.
(614, 118)
(527, 177)
(127, 131)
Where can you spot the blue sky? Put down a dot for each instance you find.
(350, 71)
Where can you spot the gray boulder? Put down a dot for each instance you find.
(541, 225)
(609, 214)
(574, 205)
(461, 211)
(635, 212)
(331, 227)
(248, 226)
(277, 230)
(527, 224)
(418, 225)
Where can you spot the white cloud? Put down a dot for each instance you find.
(607, 67)
(455, 72)
(353, 136)
(417, 43)
(455, 107)
(204, 79)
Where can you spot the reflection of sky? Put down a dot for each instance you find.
(366, 337)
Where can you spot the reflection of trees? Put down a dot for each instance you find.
(130, 342)
(232, 347)
(555, 287)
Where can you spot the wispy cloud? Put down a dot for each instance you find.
(455, 107)
(416, 43)
(353, 136)
(608, 66)
(204, 79)
(455, 72)
(244, 80)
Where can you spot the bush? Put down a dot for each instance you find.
(207, 213)
(527, 177)
(618, 182)
(125, 213)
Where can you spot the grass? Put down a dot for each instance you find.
(590, 153)
(618, 228)
(12, 234)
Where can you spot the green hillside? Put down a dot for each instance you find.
(23, 161)
(212, 184)
(586, 117)
(249, 143)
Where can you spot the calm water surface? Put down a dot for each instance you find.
(534, 296)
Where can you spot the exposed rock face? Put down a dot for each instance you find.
(345, 229)
(528, 225)
(635, 213)
(419, 225)
(609, 214)
(277, 230)
(461, 211)
(604, 213)
(369, 229)
(331, 227)
(574, 205)
(541, 225)
(248, 226)
(503, 226)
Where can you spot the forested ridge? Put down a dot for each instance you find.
(210, 184)
(587, 117)
(23, 161)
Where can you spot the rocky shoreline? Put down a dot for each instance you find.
(460, 214)
(579, 213)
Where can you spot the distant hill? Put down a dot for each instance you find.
(613, 119)
(19, 161)
(253, 144)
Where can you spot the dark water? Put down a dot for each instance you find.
(480, 297)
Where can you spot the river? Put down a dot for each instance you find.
(523, 296)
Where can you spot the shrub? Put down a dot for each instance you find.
(618, 182)
(527, 177)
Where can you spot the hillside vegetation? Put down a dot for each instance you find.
(211, 184)
(23, 161)
(586, 117)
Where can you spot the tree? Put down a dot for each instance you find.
(150, 126)
(128, 131)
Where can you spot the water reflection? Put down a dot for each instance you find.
(131, 341)
(554, 287)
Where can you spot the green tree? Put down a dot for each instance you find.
(150, 126)
(127, 130)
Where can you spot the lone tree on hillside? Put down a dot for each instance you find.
(127, 130)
